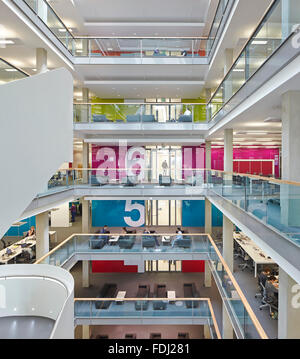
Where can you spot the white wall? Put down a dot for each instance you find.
(61, 216)
(35, 138)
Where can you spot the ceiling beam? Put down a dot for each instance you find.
(143, 82)
(144, 24)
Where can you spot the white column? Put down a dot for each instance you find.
(85, 161)
(42, 234)
(228, 242)
(227, 329)
(85, 216)
(208, 155)
(41, 61)
(208, 217)
(207, 275)
(85, 274)
(290, 202)
(228, 150)
(289, 307)
(141, 267)
(85, 332)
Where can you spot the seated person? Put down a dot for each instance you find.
(187, 112)
(31, 232)
(178, 237)
(146, 231)
(104, 230)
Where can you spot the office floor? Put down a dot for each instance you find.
(130, 282)
(249, 286)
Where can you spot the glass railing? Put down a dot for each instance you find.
(239, 309)
(274, 202)
(127, 177)
(214, 33)
(138, 243)
(195, 47)
(49, 17)
(276, 27)
(133, 308)
(140, 113)
(10, 73)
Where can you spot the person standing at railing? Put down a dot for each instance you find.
(165, 167)
(73, 212)
(31, 232)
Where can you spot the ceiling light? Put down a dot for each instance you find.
(272, 119)
(238, 70)
(259, 42)
(11, 70)
(79, 51)
(134, 33)
(62, 30)
(34, 70)
(6, 42)
(109, 48)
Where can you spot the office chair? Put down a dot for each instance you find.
(261, 278)
(269, 299)
(247, 260)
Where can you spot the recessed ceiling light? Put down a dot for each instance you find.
(259, 42)
(11, 70)
(238, 70)
(79, 51)
(34, 70)
(62, 30)
(109, 49)
(6, 42)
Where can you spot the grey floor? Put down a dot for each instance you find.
(249, 286)
(29, 327)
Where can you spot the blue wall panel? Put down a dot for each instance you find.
(193, 214)
(15, 231)
(112, 213)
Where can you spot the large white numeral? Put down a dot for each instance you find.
(135, 162)
(129, 207)
(296, 298)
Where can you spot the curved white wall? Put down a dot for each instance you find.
(39, 290)
(36, 138)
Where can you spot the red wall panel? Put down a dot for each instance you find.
(112, 267)
(192, 266)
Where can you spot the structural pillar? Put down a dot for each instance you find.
(289, 307)
(228, 61)
(289, 201)
(85, 162)
(85, 216)
(227, 329)
(228, 242)
(41, 61)
(85, 274)
(228, 150)
(207, 275)
(85, 332)
(42, 234)
(208, 217)
(208, 155)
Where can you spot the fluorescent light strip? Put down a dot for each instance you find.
(6, 42)
(38, 33)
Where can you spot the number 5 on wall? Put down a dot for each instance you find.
(129, 207)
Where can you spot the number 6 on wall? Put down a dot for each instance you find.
(129, 207)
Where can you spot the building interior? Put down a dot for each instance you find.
(150, 172)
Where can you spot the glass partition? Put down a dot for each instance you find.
(10, 73)
(140, 113)
(277, 25)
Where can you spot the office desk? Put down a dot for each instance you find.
(113, 240)
(16, 249)
(253, 251)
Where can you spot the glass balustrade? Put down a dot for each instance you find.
(277, 25)
(274, 202)
(10, 73)
(140, 113)
(125, 46)
(238, 307)
(126, 244)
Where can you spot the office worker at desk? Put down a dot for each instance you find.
(31, 232)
